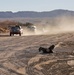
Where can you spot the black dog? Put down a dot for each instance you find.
(47, 50)
(44, 50)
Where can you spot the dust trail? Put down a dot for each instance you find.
(52, 26)
(58, 25)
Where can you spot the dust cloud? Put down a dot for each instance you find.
(52, 26)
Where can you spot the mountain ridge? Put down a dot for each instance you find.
(34, 14)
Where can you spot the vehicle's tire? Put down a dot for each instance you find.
(20, 34)
(10, 34)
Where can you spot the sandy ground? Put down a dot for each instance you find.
(19, 55)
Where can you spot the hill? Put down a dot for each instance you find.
(33, 14)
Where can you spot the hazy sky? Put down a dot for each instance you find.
(35, 5)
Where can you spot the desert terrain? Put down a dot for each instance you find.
(19, 55)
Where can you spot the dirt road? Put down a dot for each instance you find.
(19, 55)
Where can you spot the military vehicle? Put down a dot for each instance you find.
(16, 30)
